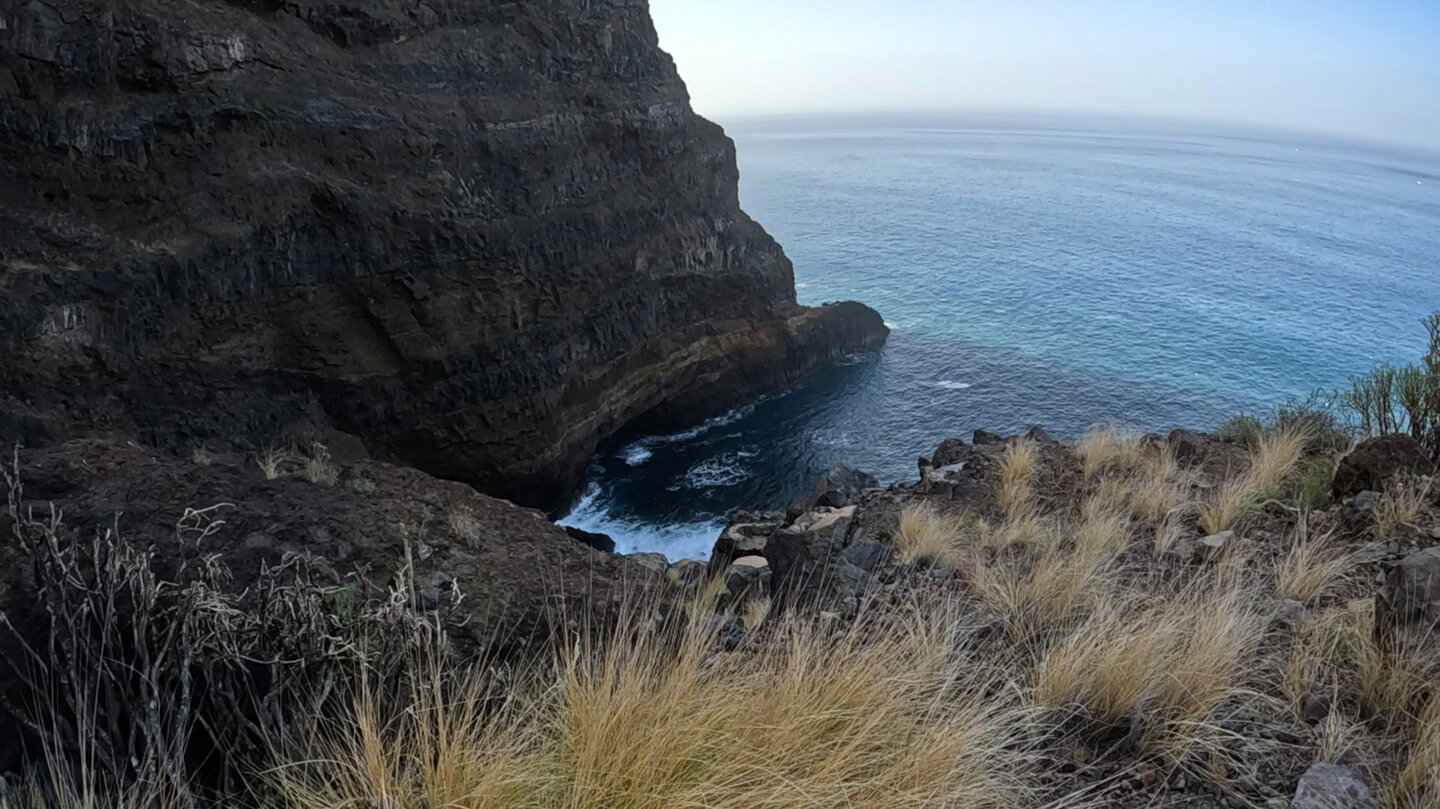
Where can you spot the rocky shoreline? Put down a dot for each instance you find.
(502, 582)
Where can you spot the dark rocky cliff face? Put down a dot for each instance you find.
(481, 236)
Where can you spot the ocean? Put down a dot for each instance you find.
(1051, 271)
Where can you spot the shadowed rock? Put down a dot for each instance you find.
(1376, 460)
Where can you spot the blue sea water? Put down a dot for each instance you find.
(1044, 270)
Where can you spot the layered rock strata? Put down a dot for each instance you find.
(480, 237)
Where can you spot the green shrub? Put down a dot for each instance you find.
(1315, 417)
(1247, 430)
(1391, 400)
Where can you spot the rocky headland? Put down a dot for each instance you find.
(475, 238)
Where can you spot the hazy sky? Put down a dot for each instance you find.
(1341, 66)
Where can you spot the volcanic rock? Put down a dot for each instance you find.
(480, 238)
(1376, 460)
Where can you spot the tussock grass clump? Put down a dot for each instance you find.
(316, 467)
(1417, 783)
(881, 715)
(1310, 566)
(1271, 462)
(925, 534)
(1108, 448)
(464, 523)
(1037, 594)
(1103, 528)
(1017, 466)
(1394, 680)
(1337, 655)
(275, 463)
(1160, 490)
(1327, 652)
(1167, 664)
(1337, 736)
(1151, 487)
(1401, 504)
(1177, 656)
(755, 612)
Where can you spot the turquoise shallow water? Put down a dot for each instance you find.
(1050, 271)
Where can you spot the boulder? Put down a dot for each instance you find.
(1184, 445)
(746, 534)
(1213, 546)
(951, 451)
(982, 438)
(868, 555)
(841, 487)
(1412, 589)
(825, 519)
(590, 539)
(1039, 436)
(686, 572)
(1375, 461)
(1365, 502)
(1331, 786)
(790, 555)
(1289, 615)
(654, 562)
(748, 575)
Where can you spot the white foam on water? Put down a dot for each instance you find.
(635, 454)
(698, 430)
(948, 384)
(693, 540)
(841, 439)
(722, 470)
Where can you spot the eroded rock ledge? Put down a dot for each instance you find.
(481, 237)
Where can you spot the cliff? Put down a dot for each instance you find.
(481, 237)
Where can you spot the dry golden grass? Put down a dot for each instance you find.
(1393, 680)
(1151, 486)
(1103, 528)
(1336, 655)
(1310, 566)
(274, 463)
(1273, 461)
(1107, 448)
(464, 523)
(1417, 783)
(885, 715)
(1401, 504)
(1169, 661)
(755, 612)
(1160, 490)
(1017, 467)
(1036, 594)
(1337, 736)
(1327, 651)
(1025, 528)
(315, 466)
(66, 795)
(925, 534)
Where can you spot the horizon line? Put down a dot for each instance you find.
(1413, 148)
